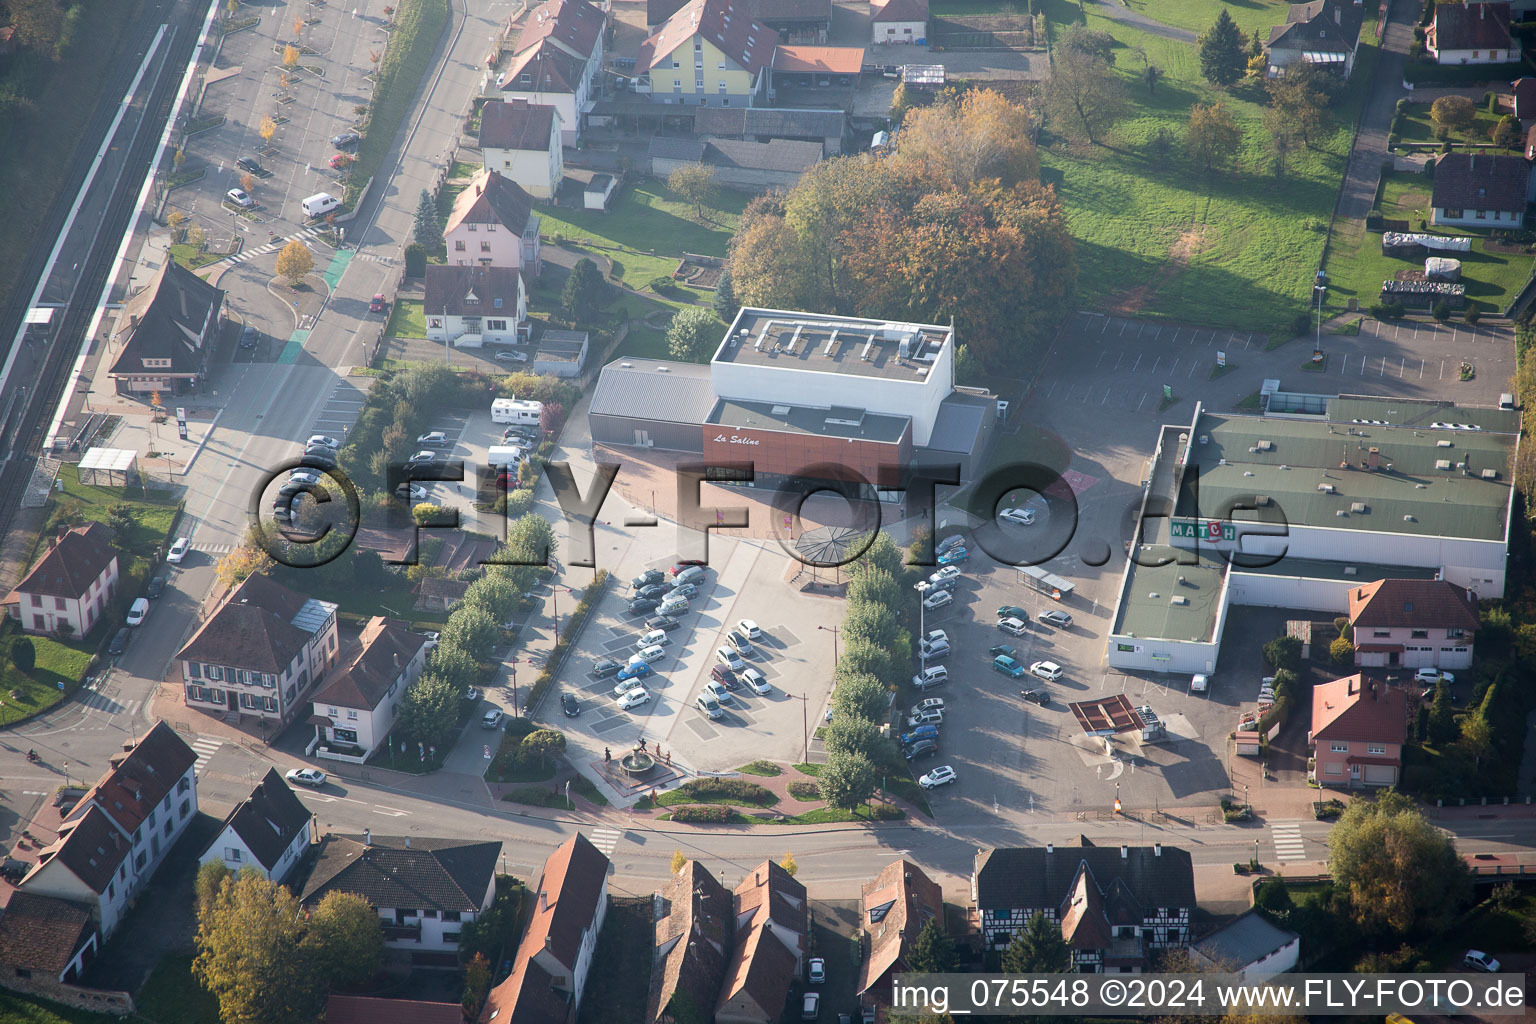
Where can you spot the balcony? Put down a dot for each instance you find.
(402, 932)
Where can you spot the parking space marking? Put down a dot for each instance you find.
(1138, 363)
(1155, 361)
(1100, 360)
(1123, 325)
(1193, 366)
(1421, 369)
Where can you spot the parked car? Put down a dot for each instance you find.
(818, 970)
(688, 572)
(655, 652)
(954, 540)
(642, 605)
(927, 586)
(920, 750)
(248, 336)
(341, 160)
(756, 680)
(932, 651)
(240, 198)
(119, 642)
(605, 668)
(411, 492)
(304, 477)
(938, 599)
(634, 698)
(929, 703)
(178, 550)
(930, 716)
(740, 642)
(689, 590)
(750, 629)
(345, 139)
(1007, 666)
(1477, 960)
(1036, 697)
(305, 776)
(810, 1006)
(943, 775)
(949, 572)
(652, 638)
(648, 578)
(634, 670)
(378, 303)
(472, 694)
(955, 556)
(1013, 627)
(921, 732)
(1055, 617)
(156, 587)
(673, 604)
(718, 692)
(723, 675)
(421, 457)
(729, 658)
(511, 356)
(933, 675)
(325, 439)
(709, 705)
(663, 623)
(1004, 649)
(653, 592)
(436, 438)
(492, 719)
(1018, 516)
(1431, 676)
(1009, 611)
(570, 705)
(245, 163)
(137, 611)
(320, 455)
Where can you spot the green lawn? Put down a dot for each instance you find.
(1357, 267)
(152, 513)
(1159, 237)
(173, 996)
(407, 319)
(760, 768)
(57, 662)
(18, 1009)
(1199, 15)
(1414, 125)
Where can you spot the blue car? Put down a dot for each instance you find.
(922, 732)
(1007, 666)
(639, 670)
(954, 557)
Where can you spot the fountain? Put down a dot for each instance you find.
(637, 763)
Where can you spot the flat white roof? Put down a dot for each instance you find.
(114, 460)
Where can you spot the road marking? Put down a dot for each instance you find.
(1138, 363)
(390, 811)
(206, 747)
(1421, 369)
(1154, 364)
(1175, 366)
(1100, 360)
(1288, 842)
(606, 839)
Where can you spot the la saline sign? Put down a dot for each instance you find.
(735, 439)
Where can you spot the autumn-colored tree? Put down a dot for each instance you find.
(248, 957)
(477, 984)
(295, 262)
(789, 864)
(298, 25)
(769, 268)
(196, 236)
(679, 861)
(344, 942)
(290, 55)
(1506, 133)
(179, 157)
(981, 135)
(248, 182)
(1212, 136)
(266, 128)
(40, 24)
(1453, 112)
(695, 184)
(235, 567)
(1402, 874)
(1300, 100)
(231, 7)
(1283, 137)
(155, 399)
(176, 221)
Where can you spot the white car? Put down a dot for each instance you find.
(178, 550)
(655, 652)
(303, 476)
(943, 775)
(305, 776)
(818, 973)
(1477, 960)
(928, 716)
(492, 719)
(935, 703)
(433, 638)
(239, 197)
(949, 572)
(935, 636)
(433, 437)
(655, 638)
(634, 698)
(730, 659)
(938, 599)
(322, 439)
(1432, 676)
(511, 356)
(718, 691)
(1047, 670)
(739, 641)
(750, 628)
(1018, 516)
(413, 492)
(756, 680)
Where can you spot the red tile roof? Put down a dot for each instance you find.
(768, 887)
(574, 25)
(1355, 709)
(747, 43)
(819, 60)
(491, 198)
(388, 649)
(41, 933)
(137, 784)
(760, 974)
(70, 565)
(1470, 27)
(1416, 604)
(371, 1010)
(1084, 924)
(693, 940)
(896, 904)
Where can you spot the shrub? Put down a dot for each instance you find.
(1328, 810)
(1472, 316)
(1300, 323)
(734, 790)
(23, 655)
(1283, 652)
(886, 812)
(1387, 310)
(415, 261)
(804, 791)
(1342, 651)
(705, 815)
(662, 285)
(1441, 311)
(1373, 219)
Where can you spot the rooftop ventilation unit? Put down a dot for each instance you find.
(1409, 519)
(1205, 438)
(663, 369)
(628, 366)
(868, 348)
(1178, 599)
(1325, 488)
(1444, 464)
(794, 340)
(830, 342)
(1445, 444)
(1490, 474)
(1358, 507)
(1261, 500)
(1350, 570)
(780, 410)
(1265, 446)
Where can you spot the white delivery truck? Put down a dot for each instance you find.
(504, 455)
(320, 204)
(516, 410)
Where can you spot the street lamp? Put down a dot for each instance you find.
(555, 589)
(805, 723)
(834, 631)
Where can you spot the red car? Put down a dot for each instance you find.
(376, 304)
(341, 160)
(685, 563)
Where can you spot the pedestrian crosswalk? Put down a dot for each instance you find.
(606, 839)
(1288, 843)
(215, 549)
(206, 747)
(101, 702)
(261, 250)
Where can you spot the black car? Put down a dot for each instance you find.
(519, 434)
(570, 705)
(655, 591)
(1036, 697)
(649, 578)
(248, 337)
(345, 139)
(245, 163)
(120, 641)
(605, 668)
(921, 749)
(643, 606)
(665, 623)
(320, 455)
(156, 587)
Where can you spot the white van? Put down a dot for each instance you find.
(514, 410)
(1199, 683)
(503, 455)
(709, 705)
(137, 611)
(320, 204)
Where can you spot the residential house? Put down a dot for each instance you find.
(694, 928)
(1478, 190)
(772, 932)
(423, 888)
(1250, 947)
(341, 1009)
(1358, 729)
(753, 166)
(549, 971)
(706, 56)
(795, 21)
(267, 831)
(556, 61)
(471, 306)
(1116, 905)
(113, 839)
(355, 708)
(1523, 96)
(259, 653)
(898, 21)
(1468, 33)
(71, 587)
(896, 906)
(165, 332)
(493, 224)
(1323, 33)
(45, 943)
(765, 124)
(1413, 623)
(521, 141)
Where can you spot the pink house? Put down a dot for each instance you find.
(493, 225)
(70, 587)
(1358, 729)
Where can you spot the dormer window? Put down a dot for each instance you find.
(471, 299)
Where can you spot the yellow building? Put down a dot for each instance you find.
(710, 53)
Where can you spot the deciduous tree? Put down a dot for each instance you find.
(454, 664)
(1402, 874)
(584, 291)
(235, 567)
(1212, 135)
(1453, 112)
(542, 744)
(473, 629)
(695, 184)
(980, 135)
(344, 942)
(1224, 52)
(249, 957)
(694, 334)
(679, 861)
(495, 594)
(1038, 948)
(290, 55)
(847, 780)
(879, 626)
(23, 655)
(1506, 133)
(39, 24)
(266, 128)
(1084, 95)
(294, 262)
(428, 712)
(860, 696)
(789, 864)
(849, 734)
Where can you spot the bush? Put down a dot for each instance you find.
(1341, 651)
(804, 791)
(886, 812)
(662, 284)
(415, 261)
(708, 814)
(1441, 311)
(1373, 219)
(1387, 310)
(1283, 652)
(23, 655)
(1328, 810)
(1301, 323)
(1472, 316)
(737, 791)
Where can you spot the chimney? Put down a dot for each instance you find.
(367, 837)
(133, 321)
(1125, 851)
(549, 940)
(1050, 848)
(757, 878)
(543, 901)
(479, 188)
(1157, 849)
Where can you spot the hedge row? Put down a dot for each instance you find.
(708, 814)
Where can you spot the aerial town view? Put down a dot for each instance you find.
(756, 511)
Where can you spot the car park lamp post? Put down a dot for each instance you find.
(555, 589)
(834, 631)
(805, 726)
